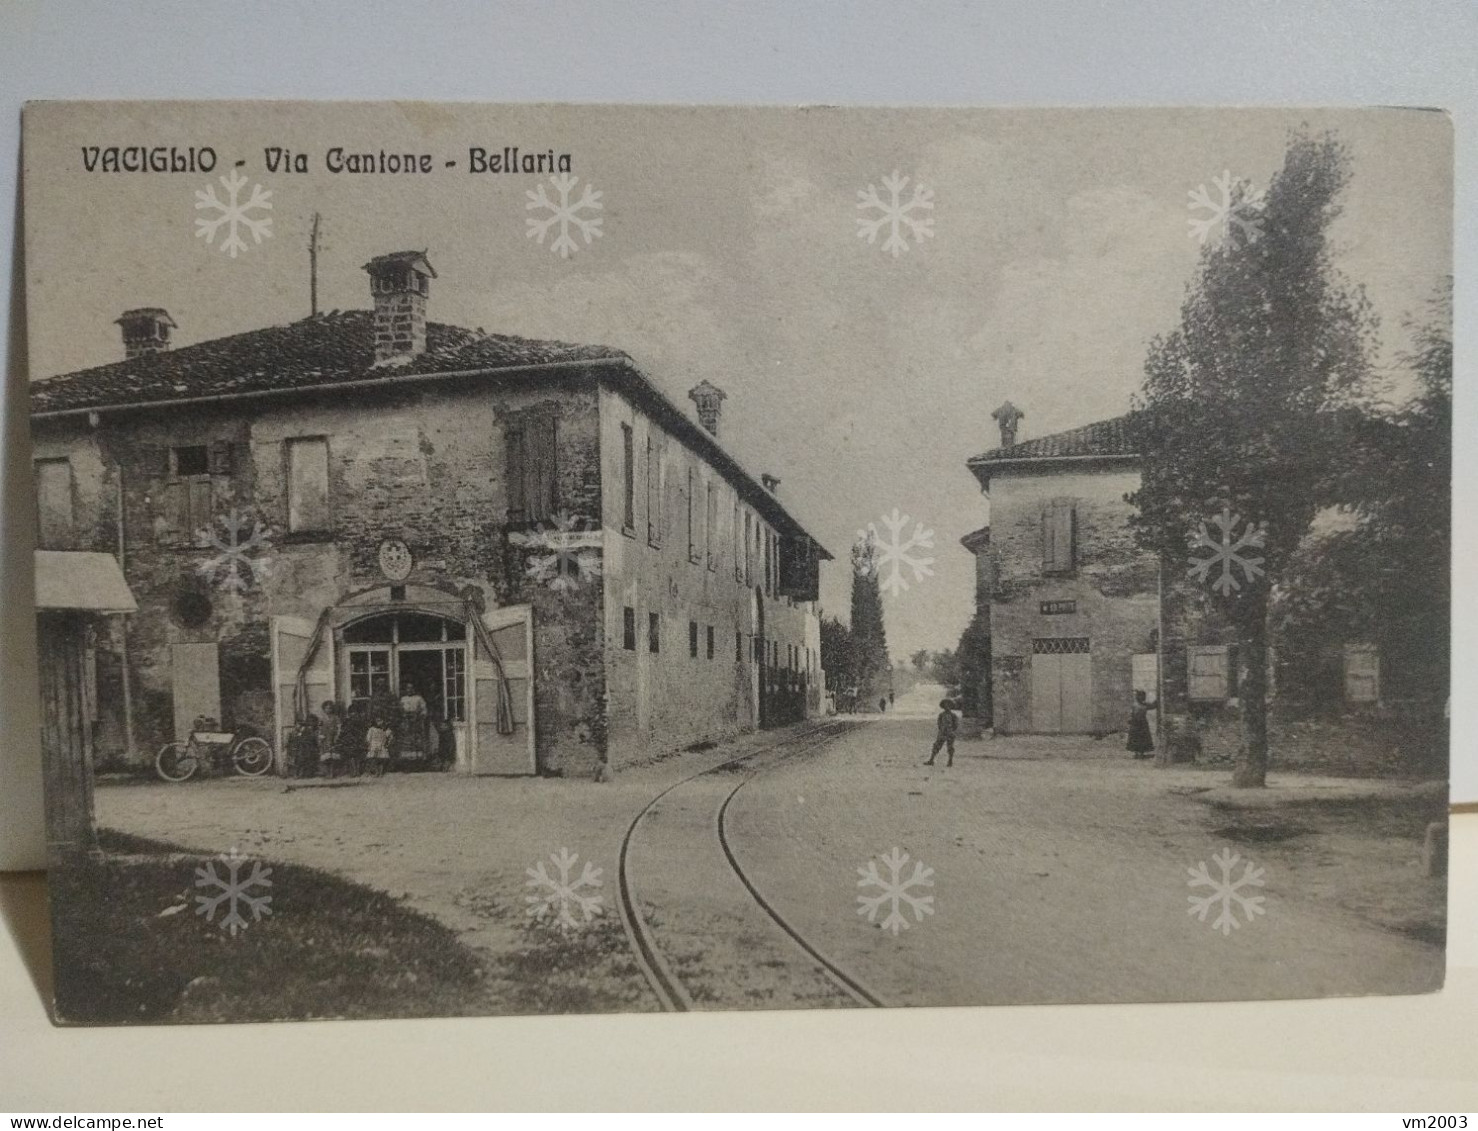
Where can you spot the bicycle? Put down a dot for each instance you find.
(251, 756)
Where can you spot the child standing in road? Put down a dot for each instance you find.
(945, 727)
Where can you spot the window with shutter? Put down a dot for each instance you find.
(54, 517)
(540, 496)
(530, 451)
(1208, 673)
(692, 502)
(710, 528)
(513, 444)
(628, 480)
(186, 501)
(654, 497)
(1362, 673)
(307, 485)
(1058, 536)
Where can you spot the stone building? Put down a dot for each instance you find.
(565, 566)
(1081, 618)
(1073, 602)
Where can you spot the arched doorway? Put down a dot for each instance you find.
(404, 657)
(472, 667)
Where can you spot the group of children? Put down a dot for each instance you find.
(356, 742)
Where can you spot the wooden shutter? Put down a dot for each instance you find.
(1207, 672)
(1362, 673)
(172, 518)
(201, 516)
(540, 497)
(1058, 521)
(219, 457)
(628, 479)
(514, 444)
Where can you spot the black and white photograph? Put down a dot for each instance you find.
(554, 559)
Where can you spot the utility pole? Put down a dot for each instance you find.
(313, 266)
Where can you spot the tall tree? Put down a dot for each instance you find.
(1244, 404)
(1384, 575)
(869, 636)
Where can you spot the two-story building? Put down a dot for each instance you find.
(1081, 617)
(565, 566)
(1073, 603)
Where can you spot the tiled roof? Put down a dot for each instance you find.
(328, 349)
(1103, 438)
(338, 348)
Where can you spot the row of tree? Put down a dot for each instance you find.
(1266, 401)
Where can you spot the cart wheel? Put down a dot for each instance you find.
(252, 757)
(176, 762)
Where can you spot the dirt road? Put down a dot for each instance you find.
(1059, 870)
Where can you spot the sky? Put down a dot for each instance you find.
(730, 252)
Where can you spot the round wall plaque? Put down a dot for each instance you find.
(395, 559)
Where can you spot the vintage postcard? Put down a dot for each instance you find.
(519, 559)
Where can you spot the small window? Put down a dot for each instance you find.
(54, 517)
(693, 639)
(307, 485)
(710, 642)
(628, 480)
(192, 460)
(628, 628)
(738, 647)
(654, 633)
(1362, 673)
(1208, 671)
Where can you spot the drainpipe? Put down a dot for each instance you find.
(129, 745)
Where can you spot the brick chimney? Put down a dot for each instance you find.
(145, 330)
(400, 282)
(709, 398)
(1007, 416)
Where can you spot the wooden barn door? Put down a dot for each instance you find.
(1062, 686)
(291, 637)
(507, 748)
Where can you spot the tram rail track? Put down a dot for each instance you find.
(666, 984)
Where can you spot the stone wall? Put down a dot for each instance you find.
(425, 465)
(1111, 592)
(668, 699)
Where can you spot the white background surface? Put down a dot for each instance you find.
(1396, 1054)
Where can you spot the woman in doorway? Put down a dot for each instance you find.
(414, 717)
(1141, 742)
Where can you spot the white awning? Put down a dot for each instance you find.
(82, 582)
